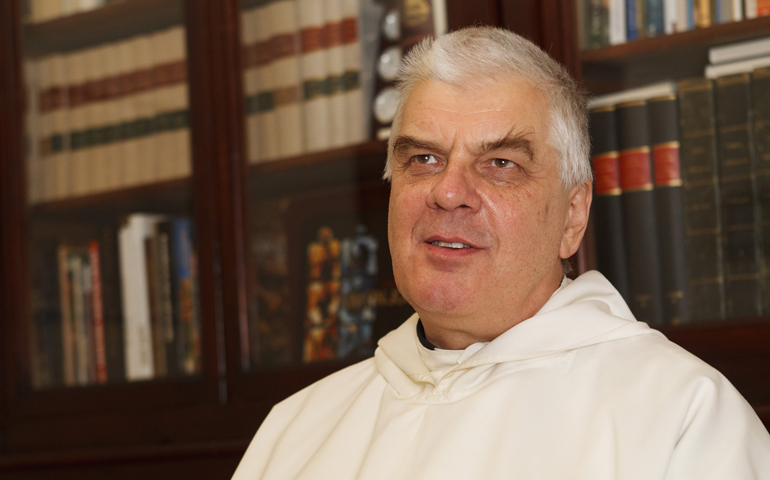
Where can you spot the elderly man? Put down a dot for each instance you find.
(508, 369)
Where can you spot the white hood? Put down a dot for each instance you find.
(583, 312)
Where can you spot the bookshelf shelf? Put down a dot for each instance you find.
(675, 56)
(172, 196)
(116, 20)
(342, 166)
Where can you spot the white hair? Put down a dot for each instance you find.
(478, 56)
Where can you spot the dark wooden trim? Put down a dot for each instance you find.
(91, 457)
(14, 294)
(217, 114)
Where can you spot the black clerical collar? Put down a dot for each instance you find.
(421, 336)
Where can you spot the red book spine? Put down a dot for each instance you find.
(98, 313)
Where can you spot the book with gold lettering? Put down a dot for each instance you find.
(284, 44)
(741, 232)
(335, 80)
(314, 72)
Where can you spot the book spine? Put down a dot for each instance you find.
(129, 115)
(597, 23)
(654, 22)
(741, 229)
(313, 63)
(169, 323)
(112, 305)
(664, 139)
(761, 125)
(78, 123)
(59, 147)
(607, 205)
(670, 16)
(632, 32)
(264, 103)
(751, 9)
(89, 370)
(136, 304)
(286, 74)
(618, 22)
(113, 130)
(68, 334)
(357, 112)
(100, 349)
(335, 81)
(701, 197)
(175, 120)
(763, 8)
(153, 288)
(143, 128)
(702, 13)
(39, 174)
(189, 343)
(99, 159)
(79, 328)
(639, 212)
(52, 327)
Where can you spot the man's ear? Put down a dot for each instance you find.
(580, 198)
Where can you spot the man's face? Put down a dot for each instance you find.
(477, 212)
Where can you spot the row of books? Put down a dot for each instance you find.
(612, 22)
(120, 306)
(682, 205)
(308, 75)
(110, 116)
(37, 11)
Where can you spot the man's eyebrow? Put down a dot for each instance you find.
(403, 142)
(512, 141)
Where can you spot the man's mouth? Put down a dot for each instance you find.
(450, 244)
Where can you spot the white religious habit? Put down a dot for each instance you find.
(579, 391)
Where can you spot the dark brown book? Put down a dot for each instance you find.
(607, 205)
(153, 285)
(702, 200)
(112, 305)
(639, 212)
(664, 140)
(740, 220)
(761, 105)
(168, 317)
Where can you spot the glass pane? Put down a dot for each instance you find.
(112, 239)
(321, 286)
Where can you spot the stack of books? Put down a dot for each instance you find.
(124, 305)
(305, 87)
(108, 117)
(718, 138)
(612, 22)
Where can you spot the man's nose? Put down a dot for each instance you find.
(455, 187)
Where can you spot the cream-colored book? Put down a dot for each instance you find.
(113, 117)
(285, 67)
(266, 113)
(250, 82)
(96, 113)
(144, 107)
(60, 159)
(356, 111)
(172, 135)
(313, 64)
(128, 115)
(335, 58)
(79, 123)
(36, 174)
(45, 131)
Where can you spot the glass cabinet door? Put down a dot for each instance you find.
(112, 239)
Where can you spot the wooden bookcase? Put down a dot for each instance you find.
(200, 426)
(738, 348)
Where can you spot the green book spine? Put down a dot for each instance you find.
(702, 200)
(741, 228)
(761, 105)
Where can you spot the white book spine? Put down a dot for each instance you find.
(335, 57)
(617, 22)
(751, 9)
(113, 118)
(357, 113)
(284, 44)
(79, 316)
(266, 114)
(144, 107)
(137, 331)
(251, 82)
(314, 75)
(738, 10)
(670, 16)
(181, 132)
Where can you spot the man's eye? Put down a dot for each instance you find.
(502, 163)
(424, 159)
